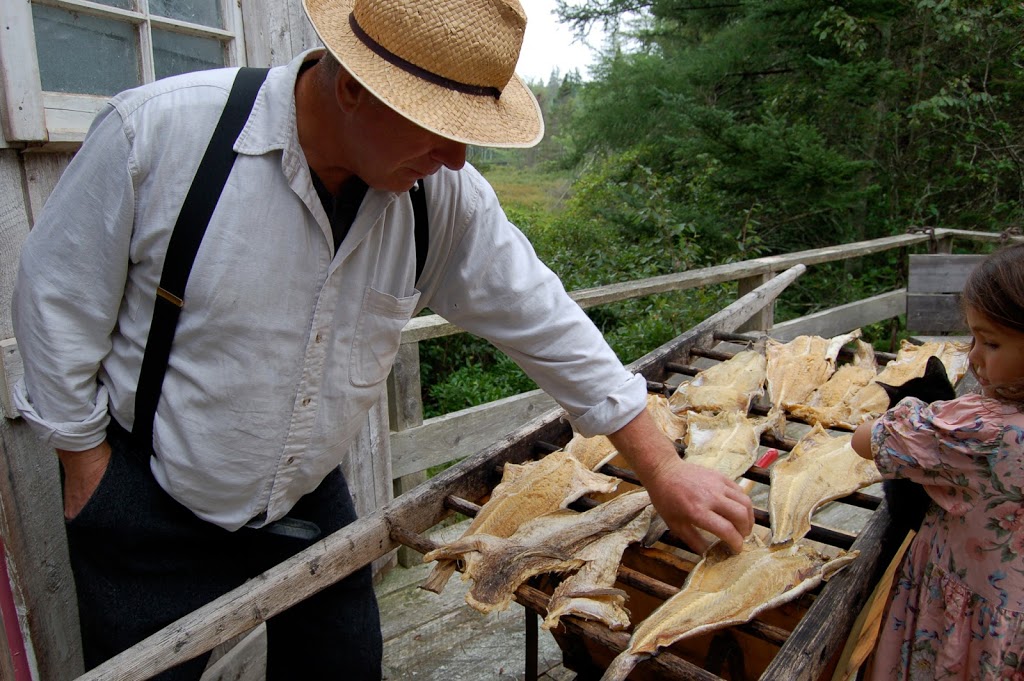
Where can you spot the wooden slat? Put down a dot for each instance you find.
(458, 434)
(935, 313)
(940, 273)
(21, 115)
(841, 319)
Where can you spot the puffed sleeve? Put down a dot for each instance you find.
(945, 446)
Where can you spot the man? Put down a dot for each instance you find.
(292, 318)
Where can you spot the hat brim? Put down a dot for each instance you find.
(512, 120)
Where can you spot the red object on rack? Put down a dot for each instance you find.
(765, 460)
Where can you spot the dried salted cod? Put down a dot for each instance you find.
(829, 405)
(549, 543)
(526, 492)
(727, 441)
(670, 423)
(726, 589)
(590, 593)
(727, 386)
(592, 452)
(797, 368)
(910, 362)
(819, 469)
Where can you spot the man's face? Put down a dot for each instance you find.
(393, 152)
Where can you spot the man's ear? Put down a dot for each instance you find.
(348, 91)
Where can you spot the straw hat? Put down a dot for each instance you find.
(447, 65)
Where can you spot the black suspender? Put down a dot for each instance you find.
(418, 194)
(188, 233)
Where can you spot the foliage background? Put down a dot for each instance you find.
(719, 131)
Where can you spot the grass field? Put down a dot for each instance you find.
(530, 189)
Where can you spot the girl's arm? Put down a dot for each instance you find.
(861, 441)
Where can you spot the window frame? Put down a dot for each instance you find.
(33, 115)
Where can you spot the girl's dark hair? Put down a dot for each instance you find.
(995, 289)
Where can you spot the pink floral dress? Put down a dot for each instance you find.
(957, 604)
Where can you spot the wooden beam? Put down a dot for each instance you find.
(841, 319)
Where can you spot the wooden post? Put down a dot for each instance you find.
(944, 245)
(765, 317)
(405, 409)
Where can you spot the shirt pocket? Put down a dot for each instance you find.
(378, 334)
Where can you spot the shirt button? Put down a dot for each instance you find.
(319, 337)
(306, 401)
(290, 460)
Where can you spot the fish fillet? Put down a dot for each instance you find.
(797, 368)
(668, 422)
(727, 441)
(819, 469)
(525, 492)
(727, 386)
(549, 543)
(726, 589)
(829, 405)
(590, 593)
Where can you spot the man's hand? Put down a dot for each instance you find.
(82, 474)
(685, 494)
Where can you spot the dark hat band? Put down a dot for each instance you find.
(418, 71)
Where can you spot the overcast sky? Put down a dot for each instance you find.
(549, 44)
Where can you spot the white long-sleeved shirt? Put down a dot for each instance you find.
(282, 345)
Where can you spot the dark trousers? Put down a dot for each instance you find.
(141, 561)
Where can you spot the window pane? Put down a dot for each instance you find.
(174, 53)
(68, 42)
(205, 12)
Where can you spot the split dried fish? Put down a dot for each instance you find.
(727, 589)
(549, 543)
(525, 492)
(727, 386)
(830, 405)
(727, 441)
(590, 593)
(798, 368)
(819, 469)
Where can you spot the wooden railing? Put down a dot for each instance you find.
(418, 444)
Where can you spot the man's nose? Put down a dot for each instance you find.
(449, 153)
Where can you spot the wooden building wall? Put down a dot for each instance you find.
(31, 517)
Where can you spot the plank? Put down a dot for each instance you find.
(21, 113)
(459, 434)
(841, 319)
(929, 273)
(935, 314)
(42, 171)
(275, 32)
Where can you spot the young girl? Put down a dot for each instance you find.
(957, 605)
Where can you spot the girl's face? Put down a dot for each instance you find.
(997, 355)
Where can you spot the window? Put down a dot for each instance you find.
(72, 55)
